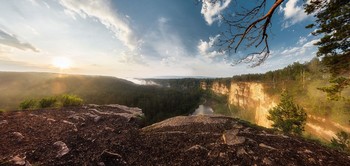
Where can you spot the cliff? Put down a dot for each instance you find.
(113, 135)
(251, 98)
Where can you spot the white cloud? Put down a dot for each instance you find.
(12, 41)
(169, 60)
(297, 51)
(293, 13)
(163, 44)
(132, 58)
(102, 11)
(211, 11)
(206, 48)
(301, 40)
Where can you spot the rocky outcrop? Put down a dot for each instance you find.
(73, 136)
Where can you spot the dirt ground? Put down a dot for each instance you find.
(113, 135)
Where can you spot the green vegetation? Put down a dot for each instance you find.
(157, 103)
(47, 102)
(70, 100)
(217, 102)
(333, 24)
(338, 84)
(28, 104)
(302, 81)
(65, 100)
(287, 116)
(342, 142)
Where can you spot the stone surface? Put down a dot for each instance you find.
(62, 148)
(230, 137)
(118, 140)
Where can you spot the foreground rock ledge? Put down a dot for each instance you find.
(111, 135)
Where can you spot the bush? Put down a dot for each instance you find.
(28, 104)
(287, 116)
(71, 100)
(56, 101)
(342, 142)
(47, 102)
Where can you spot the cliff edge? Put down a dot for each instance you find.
(112, 135)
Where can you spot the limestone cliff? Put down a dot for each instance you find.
(220, 88)
(252, 97)
(248, 95)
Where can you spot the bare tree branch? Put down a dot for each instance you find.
(247, 26)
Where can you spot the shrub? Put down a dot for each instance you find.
(47, 102)
(56, 101)
(342, 142)
(287, 116)
(28, 104)
(71, 100)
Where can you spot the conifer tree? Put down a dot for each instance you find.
(287, 116)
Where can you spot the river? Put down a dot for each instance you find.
(203, 110)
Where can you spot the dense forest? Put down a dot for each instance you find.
(156, 102)
(303, 80)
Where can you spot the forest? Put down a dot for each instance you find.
(156, 102)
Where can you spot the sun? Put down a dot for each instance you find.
(62, 62)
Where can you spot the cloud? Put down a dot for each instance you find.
(211, 11)
(13, 41)
(102, 11)
(206, 49)
(293, 13)
(163, 44)
(301, 40)
(131, 57)
(297, 51)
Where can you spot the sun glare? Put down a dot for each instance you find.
(62, 62)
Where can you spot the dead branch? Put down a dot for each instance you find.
(248, 26)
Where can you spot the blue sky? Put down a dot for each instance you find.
(138, 38)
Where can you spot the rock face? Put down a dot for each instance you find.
(73, 136)
(250, 96)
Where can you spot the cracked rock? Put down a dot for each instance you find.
(3, 122)
(63, 149)
(266, 146)
(18, 135)
(109, 158)
(230, 137)
(20, 161)
(197, 147)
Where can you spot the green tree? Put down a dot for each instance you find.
(333, 23)
(287, 116)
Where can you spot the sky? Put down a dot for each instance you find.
(139, 38)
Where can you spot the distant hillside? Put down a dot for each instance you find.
(16, 87)
(158, 103)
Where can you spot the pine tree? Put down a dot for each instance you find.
(333, 23)
(287, 116)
